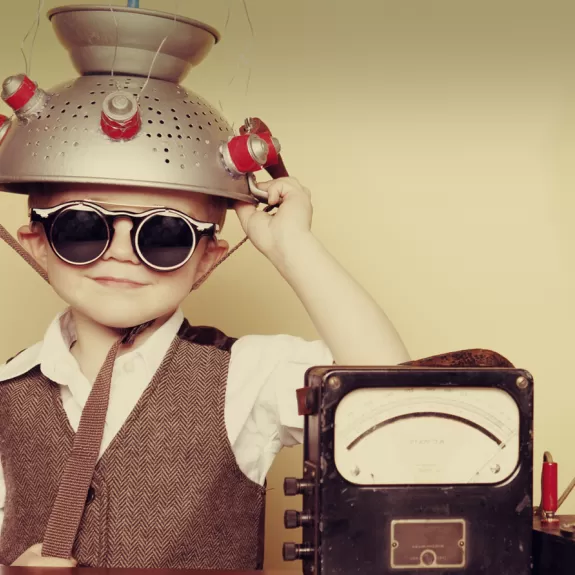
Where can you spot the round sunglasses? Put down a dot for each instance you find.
(80, 232)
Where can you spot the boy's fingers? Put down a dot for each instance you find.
(33, 558)
(244, 211)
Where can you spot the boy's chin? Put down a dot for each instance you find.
(122, 319)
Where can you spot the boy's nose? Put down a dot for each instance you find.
(120, 248)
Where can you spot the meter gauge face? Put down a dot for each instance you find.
(426, 436)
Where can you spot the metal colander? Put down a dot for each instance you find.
(178, 144)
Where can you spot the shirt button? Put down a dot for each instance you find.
(91, 495)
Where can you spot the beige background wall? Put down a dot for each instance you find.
(438, 138)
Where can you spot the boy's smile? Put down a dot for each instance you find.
(117, 282)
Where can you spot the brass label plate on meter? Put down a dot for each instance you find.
(428, 544)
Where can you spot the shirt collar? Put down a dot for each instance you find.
(22, 363)
(53, 354)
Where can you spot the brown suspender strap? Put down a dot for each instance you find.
(73, 489)
(7, 237)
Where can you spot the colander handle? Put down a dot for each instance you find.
(276, 171)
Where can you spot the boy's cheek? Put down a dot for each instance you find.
(55, 266)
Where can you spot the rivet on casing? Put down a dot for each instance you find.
(522, 382)
(334, 382)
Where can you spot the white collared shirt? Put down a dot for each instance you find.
(261, 413)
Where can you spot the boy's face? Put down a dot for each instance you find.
(118, 290)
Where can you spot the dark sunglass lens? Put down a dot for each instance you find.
(165, 241)
(79, 236)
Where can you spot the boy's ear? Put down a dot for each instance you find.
(214, 251)
(33, 239)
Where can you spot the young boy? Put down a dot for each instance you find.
(192, 419)
(154, 495)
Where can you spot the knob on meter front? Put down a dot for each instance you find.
(295, 551)
(294, 519)
(293, 486)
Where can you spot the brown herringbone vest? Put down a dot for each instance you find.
(166, 493)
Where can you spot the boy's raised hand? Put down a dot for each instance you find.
(269, 233)
(351, 323)
(33, 558)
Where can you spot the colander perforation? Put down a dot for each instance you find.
(178, 145)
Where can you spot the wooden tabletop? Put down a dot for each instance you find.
(57, 571)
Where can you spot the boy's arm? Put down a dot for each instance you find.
(351, 323)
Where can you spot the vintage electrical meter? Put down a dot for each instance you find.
(416, 469)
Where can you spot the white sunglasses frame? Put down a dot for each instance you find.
(48, 217)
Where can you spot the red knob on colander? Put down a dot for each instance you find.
(4, 127)
(120, 119)
(250, 151)
(245, 153)
(22, 95)
(273, 146)
(257, 126)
